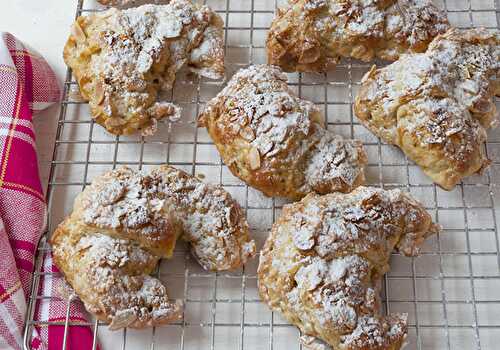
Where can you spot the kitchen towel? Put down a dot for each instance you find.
(27, 85)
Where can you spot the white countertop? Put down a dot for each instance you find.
(43, 25)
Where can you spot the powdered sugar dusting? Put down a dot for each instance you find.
(112, 271)
(312, 35)
(121, 201)
(125, 221)
(335, 293)
(258, 109)
(211, 220)
(135, 53)
(440, 99)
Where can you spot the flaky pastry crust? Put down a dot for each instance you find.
(436, 106)
(122, 3)
(323, 262)
(117, 3)
(125, 221)
(313, 35)
(129, 3)
(276, 141)
(123, 59)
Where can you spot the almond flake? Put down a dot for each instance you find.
(78, 32)
(247, 133)
(99, 92)
(113, 122)
(254, 158)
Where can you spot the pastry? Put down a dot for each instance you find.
(323, 262)
(276, 141)
(117, 3)
(123, 59)
(313, 35)
(125, 221)
(436, 106)
(128, 3)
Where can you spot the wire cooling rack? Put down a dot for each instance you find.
(451, 292)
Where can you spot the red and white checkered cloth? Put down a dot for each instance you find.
(27, 85)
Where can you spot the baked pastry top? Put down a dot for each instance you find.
(313, 35)
(123, 59)
(117, 3)
(276, 141)
(125, 221)
(323, 262)
(128, 3)
(436, 106)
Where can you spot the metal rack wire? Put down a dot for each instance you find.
(451, 292)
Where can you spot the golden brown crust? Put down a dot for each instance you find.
(313, 35)
(212, 221)
(129, 3)
(123, 3)
(125, 221)
(123, 59)
(111, 277)
(437, 106)
(277, 142)
(117, 3)
(323, 261)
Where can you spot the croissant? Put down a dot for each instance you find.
(313, 35)
(128, 3)
(123, 59)
(276, 141)
(125, 221)
(118, 3)
(323, 262)
(436, 106)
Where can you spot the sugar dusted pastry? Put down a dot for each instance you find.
(118, 3)
(436, 106)
(323, 262)
(123, 59)
(313, 35)
(276, 141)
(128, 3)
(125, 221)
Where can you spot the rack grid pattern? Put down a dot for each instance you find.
(451, 292)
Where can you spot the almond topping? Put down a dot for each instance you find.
(247, 133)
(244, 121)
(78, 32)
(114, 122)
(99, 92)
(254, 158)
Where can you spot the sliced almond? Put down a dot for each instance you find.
(471, 86)
(310, 54)
(115, 121)
(264, 126)
(370, 74)
(234, 128)
(247, 133)
(78, 32)
(254, 158)
(99, 92)
(165, 109)
(467, 73)
(244, 121)
(265, 146)
(122, 319)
